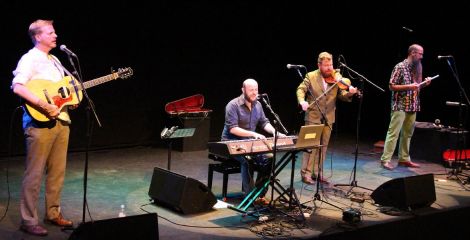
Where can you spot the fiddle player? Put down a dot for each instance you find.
(316, 84)
(405, 83)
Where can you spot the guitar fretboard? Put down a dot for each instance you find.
(94, 82)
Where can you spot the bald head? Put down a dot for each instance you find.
(414, 48)
(250, 89)
(249, 82)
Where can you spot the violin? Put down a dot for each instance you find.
(343, 83)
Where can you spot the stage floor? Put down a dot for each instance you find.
(123, 176)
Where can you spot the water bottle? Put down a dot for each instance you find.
(121, 213)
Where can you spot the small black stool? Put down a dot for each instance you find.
(226, 167)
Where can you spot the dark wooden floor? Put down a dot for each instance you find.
(122, 177)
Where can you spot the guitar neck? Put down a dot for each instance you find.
(100, 80)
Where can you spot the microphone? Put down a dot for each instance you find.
(292, 66)
(437, 123)
(164, 133)
(260, 96)
(407, 29)
(66, 50)
(444, 57)
(454, 104)
(172, 130)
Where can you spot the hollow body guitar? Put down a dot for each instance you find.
(67, 91)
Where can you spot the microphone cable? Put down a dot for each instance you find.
(9, 156)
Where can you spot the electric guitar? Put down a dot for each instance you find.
(67, 91)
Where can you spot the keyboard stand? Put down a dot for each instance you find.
(285, 195)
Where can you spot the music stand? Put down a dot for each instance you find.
(178, 133)
(309, 138)
(317, 144)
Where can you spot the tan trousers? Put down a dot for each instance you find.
(46, 154)
(310, 161)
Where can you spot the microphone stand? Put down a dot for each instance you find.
(461, 143)
(324, 120)
(276, 116)
(290, 191)
(85, 93)
(90, 107)
(277, 124)
(362, 77)
(353, 183)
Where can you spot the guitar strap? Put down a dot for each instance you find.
(58, 65)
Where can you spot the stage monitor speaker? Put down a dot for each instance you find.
(132, 227)
(407, 192)
(183, 194)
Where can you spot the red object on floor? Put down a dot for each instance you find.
(379, 144)
(451, 155)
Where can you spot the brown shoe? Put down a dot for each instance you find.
(409, 164)
(36, 230)
(308, 180)
(387, 165)
(59, 221)
(322, 180)
(262, 201)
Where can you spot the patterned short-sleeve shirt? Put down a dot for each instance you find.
(407, 101)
